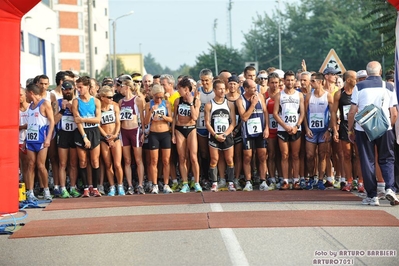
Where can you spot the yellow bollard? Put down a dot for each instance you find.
(22, 192)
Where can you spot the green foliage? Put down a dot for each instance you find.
(227, 58)
(310, 29)
(105, 72)
(151, 66)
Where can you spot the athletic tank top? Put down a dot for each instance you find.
(37, 125)
(128, 109)
(344, 105)
(289, 109)
(56, 95)
(238, 118)
(87, 110)
(256, 122)
(162, 110)
(205, 97)
(184, 108)
(48, 96)
(220, 116)
(108, 117)
(23, 120)
(67, 121)
(270, 106)
(318, 113)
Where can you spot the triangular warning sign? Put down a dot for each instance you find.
(332, 60)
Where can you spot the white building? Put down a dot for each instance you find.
(71, 35)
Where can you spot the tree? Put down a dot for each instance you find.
(105, 72)
(310, 29)
(152, 66)
(227, 58)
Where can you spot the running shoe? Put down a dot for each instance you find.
(140, 190)
(121, 190)
(57, 193)
(284, 186)
(222, 185)
(337, 184)
(197, 187)
(100, 189)
(185, 189)
(354, 184)
(328, 184)
(96, 193)
(302, 183)
(320, 185)
(347, 187)
(65, 194)
(237, 184)
(297, 186)
(231, 187)
(86, 193)
(47, 195)
(248, 187)
(381, 193)
(91, 192)
(167, 190)
(31, 196)
(371, 201)
(154, 189)
(263, 186)
(147, 186)
(130, 191)
(391, 196)
(74, 192)
(214, 187)
(309, 184)
(360, 188)
(111, 192)
(192, 184)
(272, 186)
(175, 187)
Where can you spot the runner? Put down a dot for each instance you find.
(87, 113)
(38, 137)
(220, 122)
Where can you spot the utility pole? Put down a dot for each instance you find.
(214, 48)
(230, 27)
(279, 36)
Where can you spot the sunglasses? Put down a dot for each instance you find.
(263, 78)
(109, 97)
(137, 81)
(312, 80)
(158, 97)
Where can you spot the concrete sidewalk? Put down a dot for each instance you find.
(244, 246)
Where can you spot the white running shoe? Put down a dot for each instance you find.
(263, 186)
(371, 201)
(248, 187)
(167, 189)
(154, 189)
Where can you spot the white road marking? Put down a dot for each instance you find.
(236, 253)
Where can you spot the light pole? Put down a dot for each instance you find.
(113, 39)
(214, 49)
(279, 35)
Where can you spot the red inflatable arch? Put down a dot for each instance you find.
(11, 12)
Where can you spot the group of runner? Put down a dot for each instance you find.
(279, 130)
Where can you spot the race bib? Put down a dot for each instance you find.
(107, 117)
(201, 121)
(159, 112)
(68, 123)
(316, 120)
(221, 124)
(345, 109)
(254, 126)
(89, 125)
(126, 114)
(184, 110)
(32, 133)
(272, 122)
(291, 119)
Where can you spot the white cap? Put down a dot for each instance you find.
(280, 73)
(263, 75)
(361, 74)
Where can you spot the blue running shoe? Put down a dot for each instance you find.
(309, 184)
(320, 185)
(111, 192)
(185, 188)
(302, 183)
(197, 187)
(57, 193)
(121, 191)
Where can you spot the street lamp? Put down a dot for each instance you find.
(279, 36)
(113, 38)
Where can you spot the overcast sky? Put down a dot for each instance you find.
(176, 32)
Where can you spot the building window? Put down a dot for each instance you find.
(95, 50)
(82, 65)
(80, 21)
(106, 34)
(106, 12)
(94, 3)
(81, 44)
(95, 27)
(22, 42)
(34, 47)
